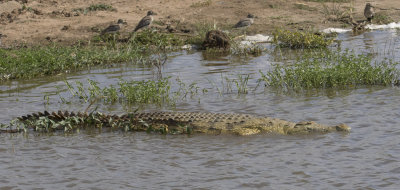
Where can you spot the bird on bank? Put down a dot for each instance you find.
(114, 28)
(369, 12)
(146, 21)
(245, 22)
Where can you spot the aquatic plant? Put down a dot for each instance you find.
(229, 82)
(332, 69)
(297, 39)
(129, 92)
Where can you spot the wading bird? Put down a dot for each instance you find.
(369, 12)
(146, 21)
(245, 22)
(114, 28)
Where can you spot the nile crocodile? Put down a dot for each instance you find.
(169, 122)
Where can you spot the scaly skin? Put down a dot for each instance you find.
(177, 123)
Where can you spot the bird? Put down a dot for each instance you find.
(114, 28)
(369, 12)
(146, 21)
(245, 22)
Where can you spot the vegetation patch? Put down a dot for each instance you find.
(337, 13)
(204, 3)
(49, 60)
(382, 18)
(129, 92)
(297, 39)
(95, 7)
(54, 59)
(150, 38)
(304, 7)
(332, 69)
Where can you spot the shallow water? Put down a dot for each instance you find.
(366, 158)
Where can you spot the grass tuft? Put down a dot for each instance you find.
(95, 7)
(332, 69)
(297, 39)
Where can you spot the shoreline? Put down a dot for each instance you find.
(46, 22)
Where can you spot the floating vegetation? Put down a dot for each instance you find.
(332, 69)
(297, 39)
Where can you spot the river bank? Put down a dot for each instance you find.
(65, 22)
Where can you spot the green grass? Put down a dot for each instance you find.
(297, 39)
(136, 93)
(50, 60)
(95, 7)
(149, 38)
(55, 59)
(332, 69)
(127, 92)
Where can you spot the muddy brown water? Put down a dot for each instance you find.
(366, 158)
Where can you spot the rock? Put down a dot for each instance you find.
(216, 39)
